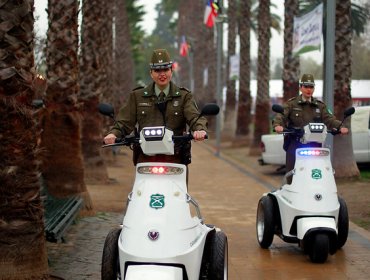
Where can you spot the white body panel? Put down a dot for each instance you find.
(159, 204)
(306, 224)
(153, 272)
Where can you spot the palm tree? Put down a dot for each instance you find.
(23, 251)
(91, 91)
(245, 99)
(62, 166)
(261, 121)
(244, 118)
(124, 76)
(291, 62)
(343, 158)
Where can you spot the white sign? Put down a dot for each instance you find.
(308, 31)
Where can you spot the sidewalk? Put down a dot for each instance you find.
(227, 191)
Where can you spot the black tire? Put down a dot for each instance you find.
(110, 261)
(343, 223)
(218, 262)
(319, 250)
(265, 222)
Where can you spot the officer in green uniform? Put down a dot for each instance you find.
(298, 112)
(160, 103)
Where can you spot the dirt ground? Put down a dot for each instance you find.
(121, 173)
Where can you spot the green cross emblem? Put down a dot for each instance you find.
(156, 201)
(316, 174)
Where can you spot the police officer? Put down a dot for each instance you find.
(160, 103)
(298, 112)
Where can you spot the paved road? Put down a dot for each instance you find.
(228, 192)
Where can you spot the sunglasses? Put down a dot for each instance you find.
(308, 86)
(161, 70)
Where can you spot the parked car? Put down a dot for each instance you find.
(272, 144)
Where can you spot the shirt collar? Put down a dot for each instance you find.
(306, 100)
(158, 90)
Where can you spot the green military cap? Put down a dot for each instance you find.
(160, 59)
(307, 80)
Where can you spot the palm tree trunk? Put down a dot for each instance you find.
(263, 75)
(91, 92)
(291, 63)
(23, 251)
(343, 158)
(245, 99)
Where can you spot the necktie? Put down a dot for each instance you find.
(161, 96)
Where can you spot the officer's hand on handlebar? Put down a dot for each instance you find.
(199, 135)
(279, 129)
(110, 139)
(344, 130)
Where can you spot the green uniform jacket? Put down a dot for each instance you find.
(141, 109)
(298, 113)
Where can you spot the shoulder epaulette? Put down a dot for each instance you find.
(290, 99)
(184, 88)
(139, 87)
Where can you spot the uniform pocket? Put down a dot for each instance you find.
(143, 111)
(296, 117)
(175, 115)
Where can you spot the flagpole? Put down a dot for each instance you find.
(219, 22)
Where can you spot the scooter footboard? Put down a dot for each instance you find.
(154, 272)
(306, 224)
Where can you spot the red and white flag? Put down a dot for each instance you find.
(184, 47)
(210, 13)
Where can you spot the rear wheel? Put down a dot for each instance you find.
(265, 224)
(343, 223)
(110, 261)
(319, 250)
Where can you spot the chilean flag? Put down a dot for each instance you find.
(184, 48)
(210, 13)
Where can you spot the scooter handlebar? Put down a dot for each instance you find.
(186, 137)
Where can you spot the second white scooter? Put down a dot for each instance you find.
(308, 211)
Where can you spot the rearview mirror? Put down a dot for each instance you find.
(106, 110)
(210, 109)
(348, 112)
(278, 108)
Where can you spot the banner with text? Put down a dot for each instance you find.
(308, 31)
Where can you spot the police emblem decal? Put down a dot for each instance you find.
(157, 201)
(153, 235)
(316, 174)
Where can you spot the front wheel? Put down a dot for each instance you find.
(319, 250)
(343, 223)
(218, 262)
(110, 261)
(265, 224)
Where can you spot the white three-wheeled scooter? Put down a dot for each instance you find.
(308, 211)
(160, 237)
